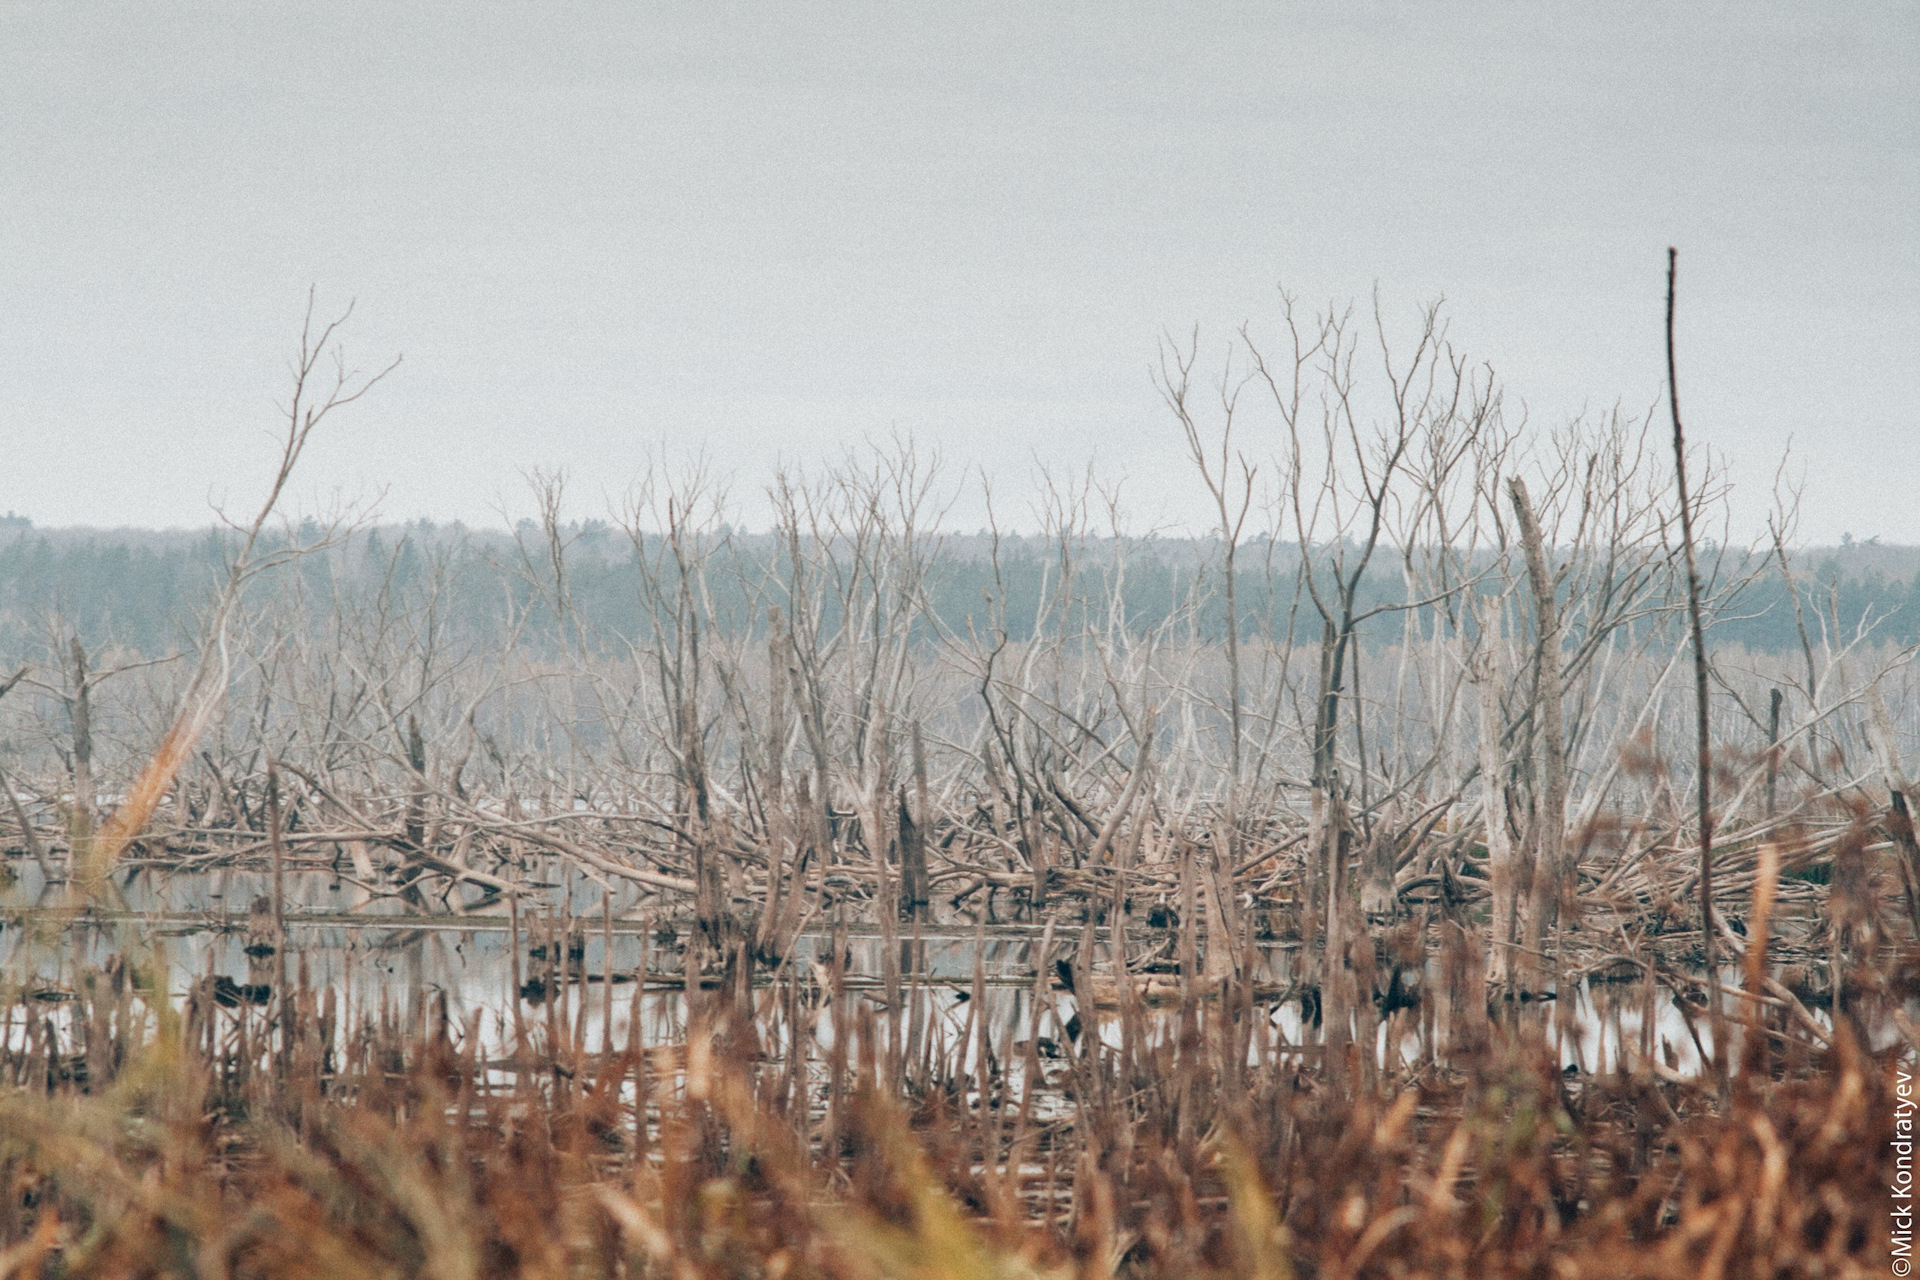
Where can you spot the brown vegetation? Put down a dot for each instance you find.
(300, 1137)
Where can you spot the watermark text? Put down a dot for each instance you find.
(1900, 1245)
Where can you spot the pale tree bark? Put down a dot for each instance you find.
(80, 719)
(1551, 874)
(1501, 869)
(915, 815)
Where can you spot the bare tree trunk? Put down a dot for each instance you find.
(1551, 876)
(1320, 859)
(1774, 698)
(914, 818)
(1493, 783)
(80, 717)
(806, 702)
(416, 827)
(779, 914)
(709, 872)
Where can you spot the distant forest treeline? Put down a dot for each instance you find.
(143, 591)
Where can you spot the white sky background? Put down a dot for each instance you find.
(768, 230)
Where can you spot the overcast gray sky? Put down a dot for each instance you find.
(767, 230)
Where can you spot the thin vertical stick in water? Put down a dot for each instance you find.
(513, 972)
(1703, 747)
(606, 973)
(793, 1099)
(838, 1012)
(637, 1044)
(916, 999)
(278, 846)
(1031, 1076)
(640, 979)
(275, 822)
(637, 1061)
(555, 979)
(974, 1035)
(560, 958)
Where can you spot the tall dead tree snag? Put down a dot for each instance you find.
(789, 830)
(709, 873)
(1551, 880)
(673, 537)
(80, 720)
(1702, 743)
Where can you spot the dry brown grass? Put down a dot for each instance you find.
(300, 1140)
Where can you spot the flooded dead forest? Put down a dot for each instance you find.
(1293, 926)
